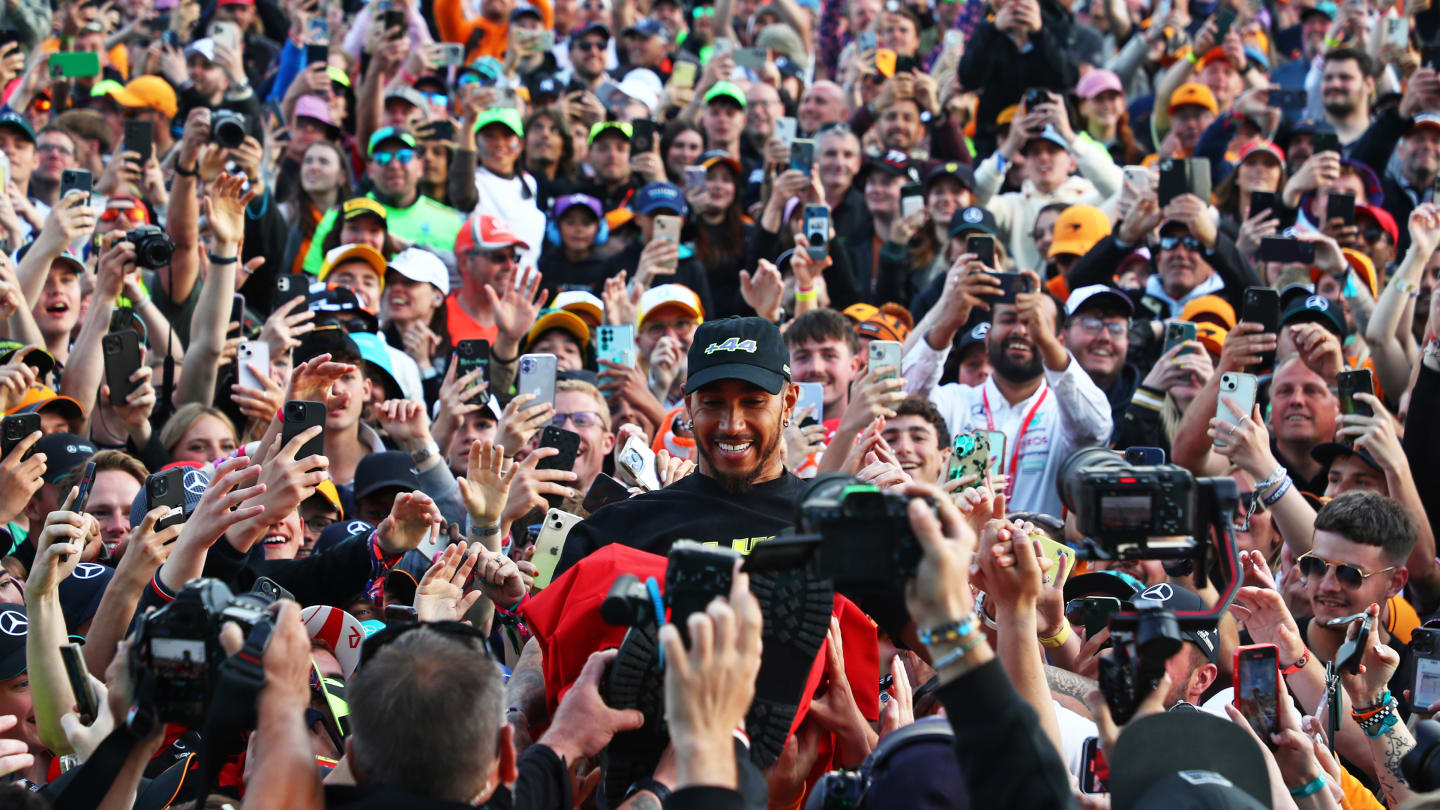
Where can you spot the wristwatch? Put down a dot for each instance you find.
(418, 457)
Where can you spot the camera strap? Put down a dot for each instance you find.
(1332, 702)
(1010, 469)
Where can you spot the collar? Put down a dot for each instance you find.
(1155, 289)
(997, 400)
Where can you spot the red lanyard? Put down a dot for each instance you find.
(1010, 469)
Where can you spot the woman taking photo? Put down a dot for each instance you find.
(720, 231)
(324, 182)
(680, 146)
(1261, 168)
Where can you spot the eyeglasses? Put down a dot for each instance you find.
(401, 156)
(588, 45)
(438, 99)
(1171, 242)
(1373, 234)
(1091, 325)
(455, 630)
(56, 147)
(319, 523)
(580, 419)
(493, 256)
(1349, 576)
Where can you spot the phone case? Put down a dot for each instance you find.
(1256, 674)
(615, 344)
(550, 545)
(969, 455)
(76, 179)
(1177, 332)
(537, 376)
(139, 136)
(1241, 388)
(997, 450)
(300, 416)
(695, 177)
(786, 129)
(1351, 383)
(639, 460)
(256, 353)
(79, 676)
(812, 395)
(885, 353)
(166, 488)
(667, 227)
(1425, 647)
(802, 154)
(290, 285)
(470, 355)
(1059, 569)
(122, 358)
(15, 428)
(817, 231)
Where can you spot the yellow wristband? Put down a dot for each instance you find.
(1194, 60)
(807, 295)
(1060, 637)
(1332, 43)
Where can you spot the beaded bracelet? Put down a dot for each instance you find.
(958, 653)
(952, 631)
(1309, 788)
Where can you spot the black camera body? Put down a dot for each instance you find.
(837, 790)
(227, 128)
(153, 247)
(865, 532)
(176, 655)
(1420, 765)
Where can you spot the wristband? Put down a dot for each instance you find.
(955, 655)
(1273, 479)
(1367, 711)
(807, 295)
(1192, 58)
(951, 631)
(218, 260)
(1298, 665)
(183, 172)
(424, 454)
(486, 531)
(1274, 497)
(1309, 788)
(649, 784)
(1061, 636)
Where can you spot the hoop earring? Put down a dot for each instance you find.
(787, 422)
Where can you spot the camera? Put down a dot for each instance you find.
(836, 790)
(176, 657)
(1123, 505)
(851, 519)
(1420, 765)
(153, 247)
(227, 128)
(1034, 97)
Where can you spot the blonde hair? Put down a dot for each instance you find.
(185, 418)
(590, 391)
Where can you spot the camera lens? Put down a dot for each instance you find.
(162, 486)
(1086, 459)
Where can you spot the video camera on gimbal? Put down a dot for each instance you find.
(1160, 512)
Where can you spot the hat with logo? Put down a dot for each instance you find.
(883, 326)
(356, 207)
(194, 479)
(649, 27)
(736, 348)
(387, 134)
(13, 628)
(894, 163)
(148, 92)
(420, 265)
(860, 312)
(1328, 452)
(15, 120)
(391, 468)
(1211, 336)
(339, 307)
(726, 90)
(1193, 93)
(43, 398)
(1316, 309)
(585, 304)
(1099, 295)
(975, 334)
(484, 232)
(80, 593)
(1079, 228)
(326, 491)
(1210, 308)
(711, 157)
(663, 296)
(565, 203)
(333, 341)
(205, 46)
(507, 117)
(972, 218)
(37, 358)
(354, 252)
(338, 632)
(1118, 584)
(656, 197)
(340, 531)
(1188, 761)
(1049, 133)
(956, 171)
(1179, 600)
(558, 319)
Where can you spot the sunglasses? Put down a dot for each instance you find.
(401, 156)
(495, 256)
(589, 45)
(438, 99)
(1349, 576)
(455, 630)
(1171, 242)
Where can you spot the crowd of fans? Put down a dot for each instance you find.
(437, 403)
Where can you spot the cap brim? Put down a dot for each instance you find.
(69, 407)
(1120, 300)
(1098, 582)
(770, 381)
(1157, 746)
(389, 482)
(1327, 452)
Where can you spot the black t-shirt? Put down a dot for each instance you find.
(694, 508)
(1315, 485)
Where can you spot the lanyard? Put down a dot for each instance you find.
(1011, 468)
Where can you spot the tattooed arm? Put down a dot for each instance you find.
(1069, 689)
(1388, 749)
(525, 695)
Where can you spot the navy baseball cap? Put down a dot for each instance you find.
(660, 197)
(391, 468)
(80, 593)
(10, 118)
(973, 218)
(735, 348)
(649, 27)
(525, 9)
(1316, 309)
(14, 625)
(63, 453)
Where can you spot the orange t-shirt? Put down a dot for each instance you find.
(454, 26)
(463, 327)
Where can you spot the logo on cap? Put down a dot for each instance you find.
(972, 215)
(952, 167)
(980, 330)
(732, 345)
(1319, 302)
(88, 571)
(13, 623)
(195, 484)
(1160, 592)
(357, 527)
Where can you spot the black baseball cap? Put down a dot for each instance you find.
(63, 453)
(973, 218)
(1316, 309)
(736, 348)
(391, 468)
(333, 341)
(340, 531)
(1179, 600)
(80, 593)
(1188, 760)
(1327, 452)
(13, 628)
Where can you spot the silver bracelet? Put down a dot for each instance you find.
(486, 531)
(1273, 479)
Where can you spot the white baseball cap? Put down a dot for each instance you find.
(418, 264)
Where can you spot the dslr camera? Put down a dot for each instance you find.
(176, 657)
(153, 247)
(865, 532)
(227, 128)
(1124, 506)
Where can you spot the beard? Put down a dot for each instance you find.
(1011, 370)
(1339, 107)
(740, 484)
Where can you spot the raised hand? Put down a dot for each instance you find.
(486, 484)
(413, 519)
(441, 595)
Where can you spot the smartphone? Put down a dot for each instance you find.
(1011, 284)
(695, 576)
(969, 455)
(87, 483)
(866, 42)
(76, 179)
(1262, 305)
(752, 58)
(139, 135)
(1141, 456)
(1264, 201)
(604, 490)
(122, 358)
(567, 442)
(1224, 18)
(470, 355)
(1241, 388)
(683, 73)
(1429, 57)
(443, 130)
(550, 545)
(14, 429)
(1282, 99)
(1257, 688)
(616, 344)
(537, 376)
(983, 247)
(1176, 333)
(817, 231)
(912, 199)
(781, 554)
(248, 353)
(225, 33)
(885, 353)
(723, 46)
(1174, 180)
(290, 285)
(1397, 32)
(1425, 648)
(787, 129)
(452, 54)
(74, 65)
(802, 155)
(1137, 177)
(668, 227)
(1352, 383)
(1094, 771)
(271, 589)
(1092, 612)
(86, 702)
(237, 316)
(639, 460)
(1341, 207)
(642, 136)
(812, 396)
(1325, 142)
(301, 415)
(695, 177)
(997, 450)
(1285, 250)
(394, 18)
(167, 488)
(1353, 650)
(1060, 566)
(317, 31)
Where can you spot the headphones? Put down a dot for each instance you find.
(552, 233)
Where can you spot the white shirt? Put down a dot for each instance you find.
(1073, 413)
(515, 201)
